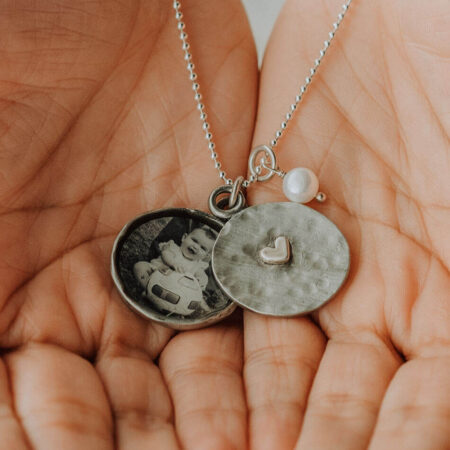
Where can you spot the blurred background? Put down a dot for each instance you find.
(262, 15)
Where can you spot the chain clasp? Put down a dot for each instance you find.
(270, 158)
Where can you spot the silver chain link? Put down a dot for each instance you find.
(202, 109)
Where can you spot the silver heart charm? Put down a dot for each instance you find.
(281, 254)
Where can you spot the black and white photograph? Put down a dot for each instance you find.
(162, 263)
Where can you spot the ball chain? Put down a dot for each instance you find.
(202, 109)
(312, 73)
(190, 66)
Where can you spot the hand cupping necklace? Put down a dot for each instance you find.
(187, 269)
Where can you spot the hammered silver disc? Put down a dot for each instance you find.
(318, 265)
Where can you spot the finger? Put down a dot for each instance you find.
(228, 77)
(326, 133)
(73, 304)
(59, 399)
(415, 413)
(281, 359)
(11, 430)
(291, 51)
(346, 395)
(140, 402)
(295, 43)
(202, 370)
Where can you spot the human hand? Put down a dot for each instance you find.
(98, 127)
(371, 369)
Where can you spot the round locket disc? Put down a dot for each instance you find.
(280, 259)
(160, 264)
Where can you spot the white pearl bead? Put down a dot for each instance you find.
(300, 185)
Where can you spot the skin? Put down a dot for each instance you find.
(97, 125)
(196, 246)
(142, 271)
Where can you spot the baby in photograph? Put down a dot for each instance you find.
(191, 258)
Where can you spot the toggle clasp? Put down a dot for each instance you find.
(278, 171)
(271, 168)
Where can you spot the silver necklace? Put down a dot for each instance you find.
(187, 269)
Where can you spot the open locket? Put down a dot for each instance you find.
(161, 266)
(187, 269)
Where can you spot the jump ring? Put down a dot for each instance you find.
(237, 185)
(217, 207)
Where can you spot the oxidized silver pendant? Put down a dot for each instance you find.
(280, 259)
(160, 264)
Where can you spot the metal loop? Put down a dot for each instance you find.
(237, 185)
(268, 153)
(217, 207)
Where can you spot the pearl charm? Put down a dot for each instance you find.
(300, 185)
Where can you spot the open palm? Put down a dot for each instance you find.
(97, 125)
